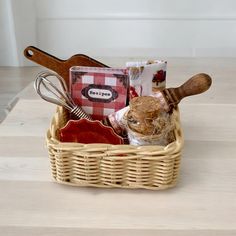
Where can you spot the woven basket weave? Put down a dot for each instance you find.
(105, 165)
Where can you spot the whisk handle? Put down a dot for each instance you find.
(79, 113)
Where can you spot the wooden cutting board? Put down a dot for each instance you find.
(57, 65)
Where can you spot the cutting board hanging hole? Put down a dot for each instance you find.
(29, 53)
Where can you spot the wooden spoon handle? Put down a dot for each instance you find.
(195, 85)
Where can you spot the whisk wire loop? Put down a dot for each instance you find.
(61, 96)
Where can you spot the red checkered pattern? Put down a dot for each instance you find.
(105, 76)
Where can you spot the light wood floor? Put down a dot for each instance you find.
(203, 202)
(12, 81)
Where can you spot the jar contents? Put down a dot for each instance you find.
(148, 123)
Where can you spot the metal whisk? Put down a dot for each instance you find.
(60, 96)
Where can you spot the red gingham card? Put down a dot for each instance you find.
(99, 91)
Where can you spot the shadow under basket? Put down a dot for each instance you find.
(109, 166)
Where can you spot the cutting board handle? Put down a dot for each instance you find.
(61, 67)
(42, 58)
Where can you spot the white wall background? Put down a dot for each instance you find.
(118, 28)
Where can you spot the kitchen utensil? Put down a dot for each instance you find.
(57, 65)
(59, 96)
(169, 98)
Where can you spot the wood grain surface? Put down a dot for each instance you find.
(203, 203)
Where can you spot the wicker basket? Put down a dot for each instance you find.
(105, 165)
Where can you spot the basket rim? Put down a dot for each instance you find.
(171, 148)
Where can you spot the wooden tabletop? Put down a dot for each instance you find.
(203, 202)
